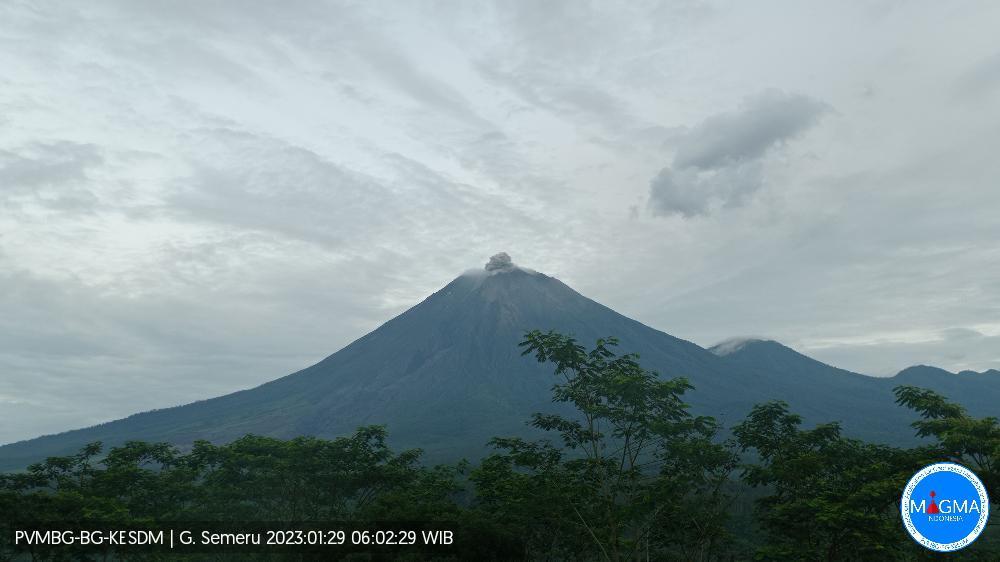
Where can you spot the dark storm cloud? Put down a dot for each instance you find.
(720, 160)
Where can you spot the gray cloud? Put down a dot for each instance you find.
(959, 348)
(762, 122)
(73, 354)
(570, 98)
(692, 191)
(50, 174)
(430, 92)
(982, 78)
(720, 160)
(194, 201)
(284, 189)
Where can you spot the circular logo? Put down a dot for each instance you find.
(945, 507)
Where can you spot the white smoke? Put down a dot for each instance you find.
(500, 262)
(733, 345)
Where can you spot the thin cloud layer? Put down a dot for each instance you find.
(982, 78)
(959, 348)
(50, 174)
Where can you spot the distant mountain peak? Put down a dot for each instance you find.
(987, 372)
(924, 372)
(930, 370)
(732, 345)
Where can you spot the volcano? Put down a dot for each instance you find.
(447, 375)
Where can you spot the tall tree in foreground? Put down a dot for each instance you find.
(834, 498)
(829, 497)
(973, 442)
(634, 476)
(963, 439)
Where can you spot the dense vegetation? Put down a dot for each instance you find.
(633, 476)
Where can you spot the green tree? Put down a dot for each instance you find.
(629, 458)
(973, 442)
(828, 497)
(305, 478)
(963, 439)
(60, 489)
(356, 478)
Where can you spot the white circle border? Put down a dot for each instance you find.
(984, 509)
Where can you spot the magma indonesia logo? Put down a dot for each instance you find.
(945, 507)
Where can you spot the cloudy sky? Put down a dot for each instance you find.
(197, 197)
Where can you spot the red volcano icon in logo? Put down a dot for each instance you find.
(933, 508)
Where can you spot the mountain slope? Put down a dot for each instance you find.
(865, 405)
(447, 375)
(978, 392)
